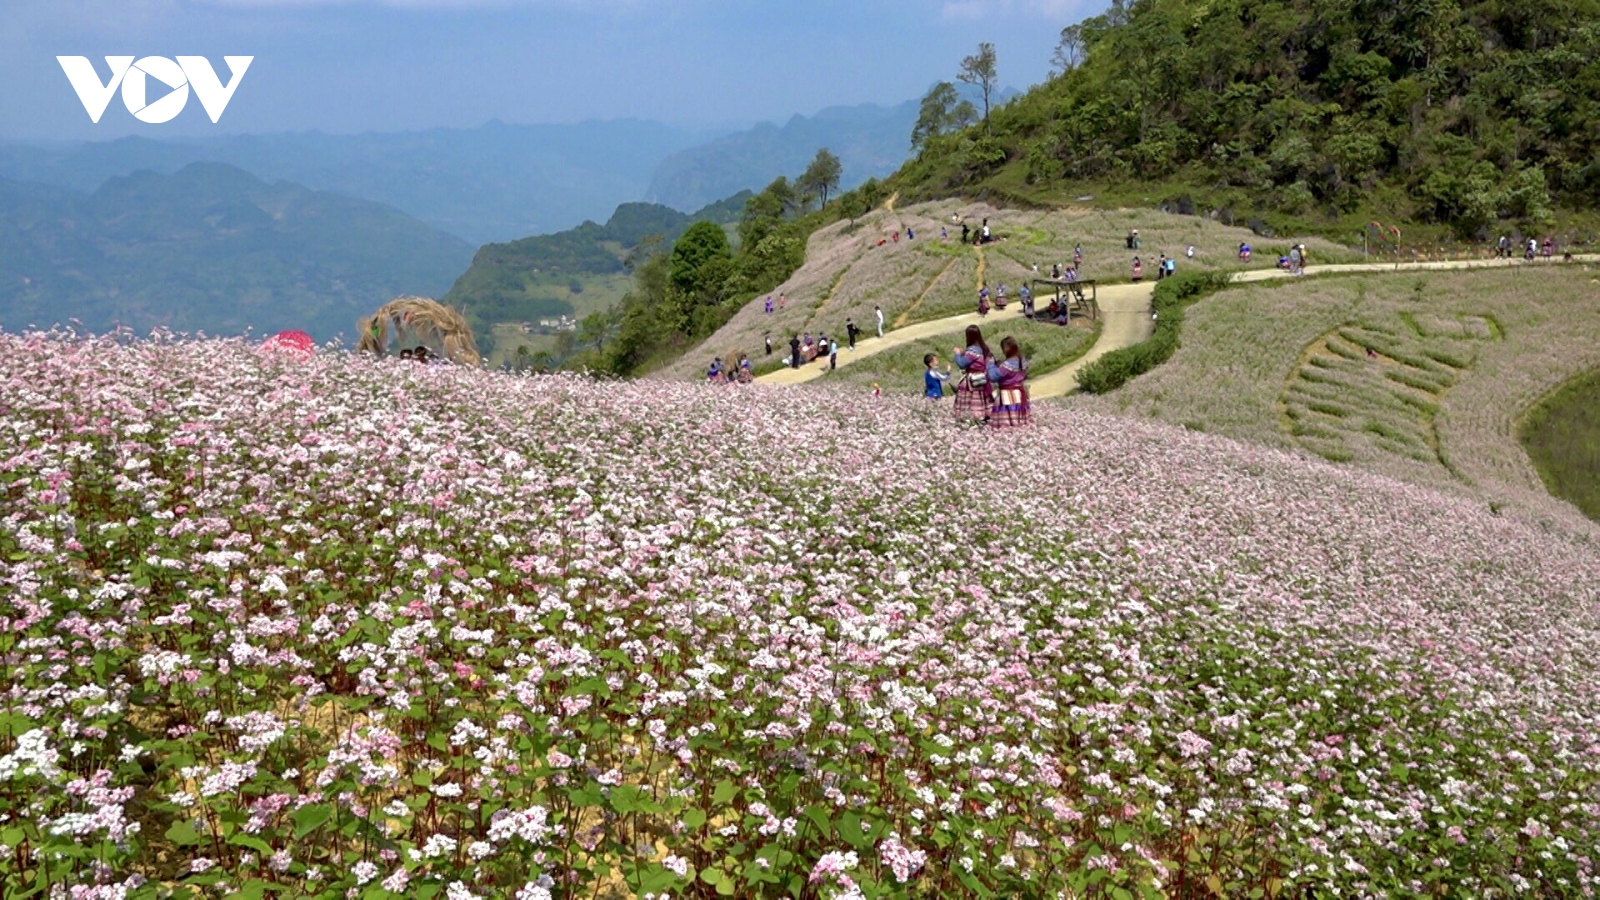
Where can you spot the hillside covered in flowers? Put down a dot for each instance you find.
(273, 626)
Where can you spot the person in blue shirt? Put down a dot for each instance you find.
(933, 380)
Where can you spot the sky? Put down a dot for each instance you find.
(348, 66)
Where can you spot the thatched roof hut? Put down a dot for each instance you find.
(409, 323)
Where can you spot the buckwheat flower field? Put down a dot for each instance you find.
(351, 628)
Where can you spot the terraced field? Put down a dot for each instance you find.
(1380, 383)
(1421, 377)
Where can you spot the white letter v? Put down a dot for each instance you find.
(95, 96)
(213, 96)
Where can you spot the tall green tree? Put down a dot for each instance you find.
(765, 211)
(697, 259)
(979, 70)
(943, 110)
(1069, 50)
(822, 177)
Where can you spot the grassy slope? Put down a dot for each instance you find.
(1459, 358)
(846, 272)
(1562, 436)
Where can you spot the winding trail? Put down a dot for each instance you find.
(1125, 312)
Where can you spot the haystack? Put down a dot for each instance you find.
(407, 323)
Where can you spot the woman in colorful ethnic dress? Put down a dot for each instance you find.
(1010, 391)
(973, 397)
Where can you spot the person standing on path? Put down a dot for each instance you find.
(851, 331)
(1172, 266)
(1138, 270)
(878, 311)
(833, 354)
(768, 339)
(769, 304)
(973, 397)
(1294, 260)
(794, 352)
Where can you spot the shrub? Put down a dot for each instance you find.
(1171, 296)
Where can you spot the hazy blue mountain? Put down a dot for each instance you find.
(210, 248)
(492, 183)
(871, 141)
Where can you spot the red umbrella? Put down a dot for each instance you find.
(295, 341)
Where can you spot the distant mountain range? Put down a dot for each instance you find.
(210, 248)
(871, 141)
(492, 183)
(265, 232)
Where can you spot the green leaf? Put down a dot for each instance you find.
(629, 798)
(818, 814)
(1118, 893)
(655, 879)
(725, 792)
(309, 818)
(183, 834)
(693, 818)
(439, 742)
(251, 842)
(850, 829)
(13, 837)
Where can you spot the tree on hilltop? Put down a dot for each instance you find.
(942, 112)
(1069, 50)
(979, 70)
(822, 176)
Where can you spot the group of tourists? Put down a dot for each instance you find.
(1531, 249)
(969, 235)
(1295, 261)
(740, 374)
(989, 390)
(804, 349)
(1166, 267)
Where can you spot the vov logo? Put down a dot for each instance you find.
(133, 78)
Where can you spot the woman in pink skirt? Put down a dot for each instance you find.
(973, 397)
(1008, 378)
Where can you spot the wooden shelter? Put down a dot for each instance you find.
(412, 323)
(1079, 296)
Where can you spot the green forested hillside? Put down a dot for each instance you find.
(539, 277)
(1453, 112)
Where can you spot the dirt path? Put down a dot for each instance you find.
(1125, 309)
